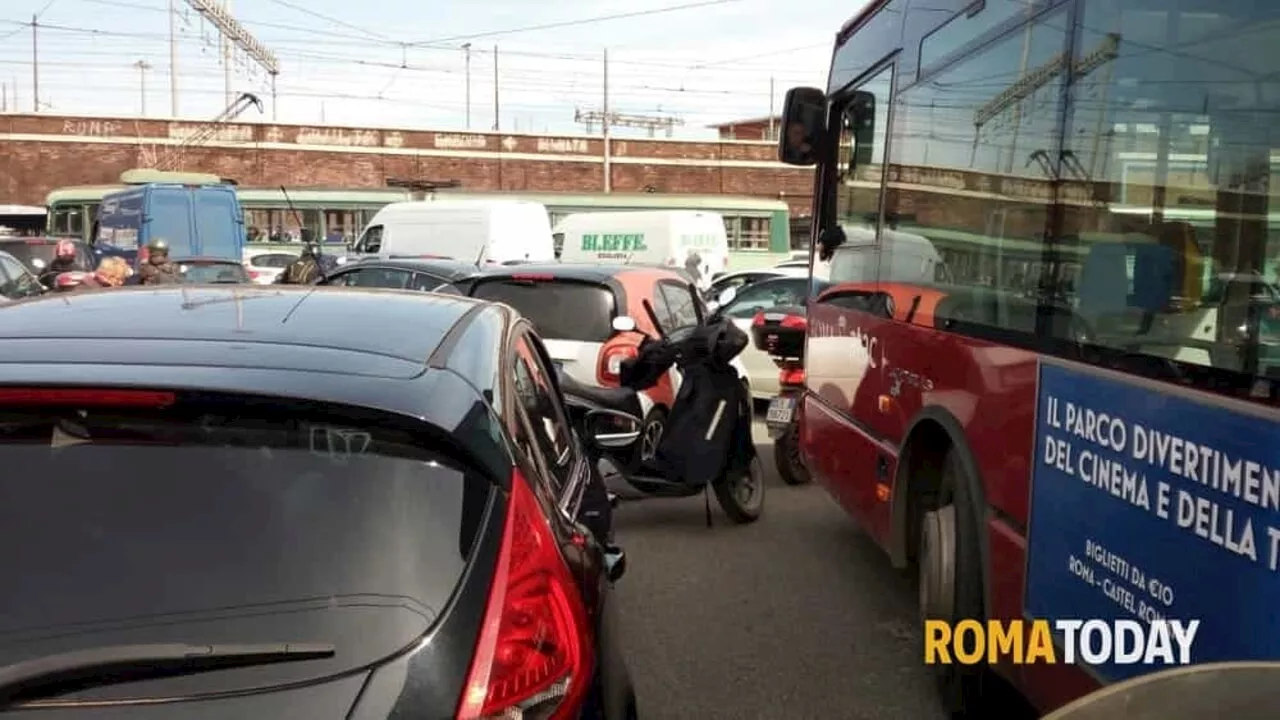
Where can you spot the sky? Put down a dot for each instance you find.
(401, 63)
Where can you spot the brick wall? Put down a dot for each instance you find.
(39, 153)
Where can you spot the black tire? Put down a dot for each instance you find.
(786, 457)
(950, 577)
(742, 498)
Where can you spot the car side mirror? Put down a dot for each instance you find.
(611, 428)
(622, 324)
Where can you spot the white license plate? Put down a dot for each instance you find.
(781, 410)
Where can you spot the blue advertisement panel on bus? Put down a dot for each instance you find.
(1146, 504)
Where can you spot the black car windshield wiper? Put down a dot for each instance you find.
(53, 675)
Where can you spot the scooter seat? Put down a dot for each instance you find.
(620, 399)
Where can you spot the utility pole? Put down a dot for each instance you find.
(173, 60)
(608, 169)
(226, 55)
(466, 48)
(143, 66)
(35, 65)
(496, 106)
(773, 131)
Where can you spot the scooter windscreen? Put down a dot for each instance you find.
(1236, 690)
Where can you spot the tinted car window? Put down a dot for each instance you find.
(558, 309)
(210, 273)
(680, 304)
(224, 504)
(378, 278)
(768, 294)
(425, 282)
(274, 260)
(541, 406)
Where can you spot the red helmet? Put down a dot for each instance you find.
(65, 249)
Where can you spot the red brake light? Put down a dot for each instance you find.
(533, 658)
(795, 322)
(758, 320)
(81, 397)
(791, 377)
(610, 371)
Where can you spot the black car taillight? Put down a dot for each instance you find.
(535, 657)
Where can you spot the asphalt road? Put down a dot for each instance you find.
(796, 616)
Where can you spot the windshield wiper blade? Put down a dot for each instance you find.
(52, 675)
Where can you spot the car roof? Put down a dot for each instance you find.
(582, 272)
(246, 315)
(442, 267)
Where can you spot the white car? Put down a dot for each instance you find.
(743, 306)
(265, 265)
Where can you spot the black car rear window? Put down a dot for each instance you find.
(25, 252)
(234, 505)
(558, 309)
(214, 273)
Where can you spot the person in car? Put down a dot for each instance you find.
(112, 272)
(157, 270)
(64, 260)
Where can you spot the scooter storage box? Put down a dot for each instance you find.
(780, 331)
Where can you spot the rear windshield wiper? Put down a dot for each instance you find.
(53, 675)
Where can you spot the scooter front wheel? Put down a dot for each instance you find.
(742, 497)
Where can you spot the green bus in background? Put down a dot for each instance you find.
(758, 229)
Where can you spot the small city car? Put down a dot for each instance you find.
(573, 307)
(228, 509)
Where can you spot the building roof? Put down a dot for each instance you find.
(748, 121)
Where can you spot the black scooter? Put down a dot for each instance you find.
(707, 444)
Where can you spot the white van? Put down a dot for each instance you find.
(902, 257)
(497, 231)
(648, 237)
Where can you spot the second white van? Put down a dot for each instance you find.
(680, 239)
(495, 231)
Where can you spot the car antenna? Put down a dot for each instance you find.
(480, 256)
(297, 217)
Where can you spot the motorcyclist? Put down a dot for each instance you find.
(306, 269)
(158, 270)
(64, 260)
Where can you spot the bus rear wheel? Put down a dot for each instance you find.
(950, 582)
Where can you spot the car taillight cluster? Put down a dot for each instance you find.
(610, 371)
(791, 377)
(534, 658)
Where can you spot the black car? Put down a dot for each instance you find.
(226, 509)
(16, 281)
(36, 253)
(425, 274)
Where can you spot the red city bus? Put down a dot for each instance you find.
(1078, 418)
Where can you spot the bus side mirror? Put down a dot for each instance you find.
(803, 126)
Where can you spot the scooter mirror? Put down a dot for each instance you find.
(622, 323)
(612, 429)
(726, 296)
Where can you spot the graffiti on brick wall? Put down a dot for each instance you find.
(562, 145)
(225, 133)
(96, 128)
(337, 137)
(461, 142)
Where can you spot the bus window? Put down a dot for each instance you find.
(1196, 284)
(963, 172)
(861, 155)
